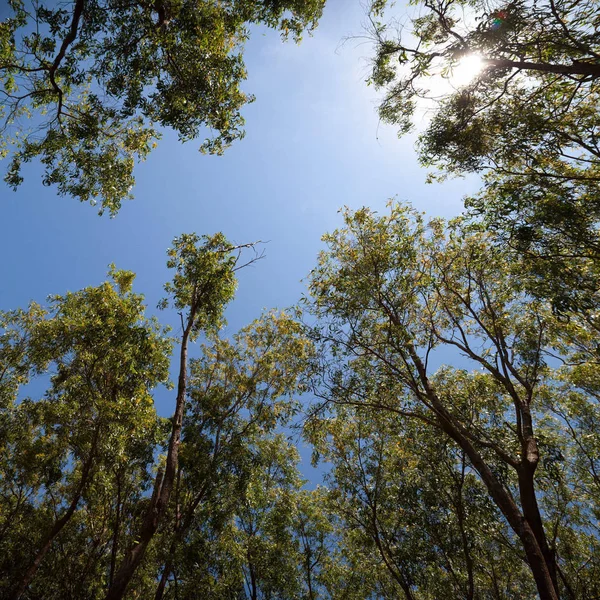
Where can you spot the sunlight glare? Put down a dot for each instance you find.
(467, 69)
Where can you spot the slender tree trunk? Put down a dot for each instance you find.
(182, 527)
(308, 564)
(58, 525)
(460, 510)
(495, 583)
(395, 572)
(311, 594)
(181, 530)
(162, 584)
(406, 589)
(163, 484)
(116, 531)
(531, 512)
(530, 457)
(253, 589)
(536, 558)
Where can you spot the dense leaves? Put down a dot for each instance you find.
(453, 366)
(528, 120)
(98, 78)
(89, 505)
(458, 417)
(437, 467)
(94, 425)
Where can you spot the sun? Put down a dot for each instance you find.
(444, 83)
(467, 69)
(462, 74)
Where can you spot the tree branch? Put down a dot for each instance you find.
(577, 68)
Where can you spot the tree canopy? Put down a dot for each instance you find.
(100, 497)
(444, 374)
(97, 79)
(528, 120)
(440, 468)
(475, 478)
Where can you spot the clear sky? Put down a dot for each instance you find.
(313, 145)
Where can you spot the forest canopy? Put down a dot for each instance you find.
(442, 482)
(527, 121)
(443, 373)
(87, 86)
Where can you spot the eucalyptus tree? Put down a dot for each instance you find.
(203, 284)
(389, 294)
(90, 507)
(255, 551)
(528, 120)
(102, 357)
(98, 78)
(412, 510)
(241, 392)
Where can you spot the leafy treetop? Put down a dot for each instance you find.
(97, 77)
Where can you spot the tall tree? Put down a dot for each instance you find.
(411, 508)
(82, 482)
(528, 120)
(390, 293)
(240, 392)
(203, 284)
(98, 77)
(104, 357)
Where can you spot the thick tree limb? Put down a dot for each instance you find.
(577, 68)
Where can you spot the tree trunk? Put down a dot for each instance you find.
(60, 524)
(520, 525)
(116, 531)
(179, 533)
(460, 512)
(536, 558)
(531, 512)
(162, 584)
(162, 486)
(530, 457)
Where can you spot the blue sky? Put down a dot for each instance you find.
(313, 144)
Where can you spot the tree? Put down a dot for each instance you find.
(203, 284)
(98, 77)
(389, 294)
(528, 120)
(411, 509)
(240, 392)
(88, 504)
(104, 357)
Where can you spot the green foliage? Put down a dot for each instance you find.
(204, 280)
(95, 420)
(238, 480)
(79, 463)
(98, 78)
(528, 120)
(475, 480)
(413, 510)
(436, 472)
